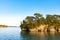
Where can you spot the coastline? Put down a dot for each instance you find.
(42, 28)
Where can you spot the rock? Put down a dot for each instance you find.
(23, 29)
(33, 30)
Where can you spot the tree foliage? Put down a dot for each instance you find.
(38, 19)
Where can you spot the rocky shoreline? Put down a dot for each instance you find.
(42, 28)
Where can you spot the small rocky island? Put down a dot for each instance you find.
(38, 23)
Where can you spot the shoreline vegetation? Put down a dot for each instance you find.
(38, 23)
(3, 26)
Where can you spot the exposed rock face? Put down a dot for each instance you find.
(58, 29)
(52, 30)
(40, 28)
(23, 29)
(33, 30)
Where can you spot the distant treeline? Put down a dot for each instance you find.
(3, 26)
(37, 20)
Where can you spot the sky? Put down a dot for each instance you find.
(12, 12)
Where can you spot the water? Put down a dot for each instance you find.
(16, 34)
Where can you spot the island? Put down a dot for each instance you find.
(40, 23)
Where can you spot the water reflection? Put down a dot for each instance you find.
(16, 34)
(40, 35)
(10, 34)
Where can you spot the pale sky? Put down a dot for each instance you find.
(10, 21)
(12, 12)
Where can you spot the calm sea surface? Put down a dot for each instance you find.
(15, 34)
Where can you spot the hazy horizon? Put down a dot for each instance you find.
(12, 12)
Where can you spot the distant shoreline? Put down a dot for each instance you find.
(3, 26)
